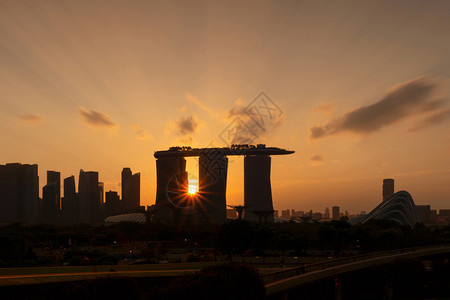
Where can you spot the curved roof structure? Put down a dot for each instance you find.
(134, 217)
(399, 207)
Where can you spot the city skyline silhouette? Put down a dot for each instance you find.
(360, 91)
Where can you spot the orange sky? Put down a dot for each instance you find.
(363, 88)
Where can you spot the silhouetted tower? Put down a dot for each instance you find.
(54, 177)
(326, 215)
(131, 190)
(336, 213)
(388, 188)
(212, 188)
(90, 201)
(112, 204)
(19, 193)
(70, 202)
(49, 202)
(51, 198)
(169, 170)
(257, 188)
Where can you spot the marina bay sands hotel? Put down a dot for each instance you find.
(174, 203)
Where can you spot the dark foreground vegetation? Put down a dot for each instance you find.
(44, 245)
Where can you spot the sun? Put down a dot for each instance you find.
(192, 190)
(192, 186)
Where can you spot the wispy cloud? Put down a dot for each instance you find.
(316, 160)
(95, 118)
(213, 113)
(186, 125)
(415, 97)
(184, 128)
(142, 134)
(436, 118)
(255, 120)
(316, 157)
(30, 118)
(324, 108)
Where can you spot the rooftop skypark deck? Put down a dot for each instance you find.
(243, 149)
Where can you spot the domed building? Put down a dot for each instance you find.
(134, 217)
(399, 208)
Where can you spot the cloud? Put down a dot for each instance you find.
(142, 134)
(249, 122)
(191, 98)
(95, 118)
(414, 97)
(30, 118)
(324, 108)
(184, 126)
(237, 110)
(317, 158)
(435, 119)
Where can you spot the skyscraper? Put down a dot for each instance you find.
(51, 198)
(257, 188)
(388, 188)
(112, 204)
(168, 170)
(326, 215)
(19, 193)
(90, 201)
(131, 190)
(336, 213)
(54, 177)
(70, 203)
(212, 188)
(424, 213)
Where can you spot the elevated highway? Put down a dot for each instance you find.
(280, 282)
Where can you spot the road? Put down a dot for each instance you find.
(40, 275)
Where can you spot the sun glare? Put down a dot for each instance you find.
(193, 186)
(192, 190)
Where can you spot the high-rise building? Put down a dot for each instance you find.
(388, 188)
(19, 193)
(54, 177)
(90, 200)
(170, 171)
(131, 190)
(336, 212)
(326, 215)
(51, 198)
(50, 213)
(433, 215)
(423, 213)
(70, 202)
(444, 215)
(112, 204)
(213, 188)
(257, 188)
(275, 213)
(317, 216)
(286, 214)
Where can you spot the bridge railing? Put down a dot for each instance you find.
(303, 269)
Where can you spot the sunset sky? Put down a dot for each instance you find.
(362, 87)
